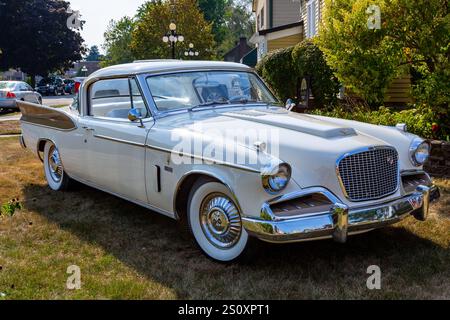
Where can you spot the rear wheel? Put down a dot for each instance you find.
(215, 222)
(56, 177)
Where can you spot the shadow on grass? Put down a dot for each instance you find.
(154, 246)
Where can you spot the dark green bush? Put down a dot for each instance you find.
(308, 61)
(421, 121)
(277, 70)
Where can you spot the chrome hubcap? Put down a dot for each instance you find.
(54, 164)
(220, 221)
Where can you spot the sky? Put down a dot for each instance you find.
(98, 13)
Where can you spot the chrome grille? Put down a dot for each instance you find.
(369, 175)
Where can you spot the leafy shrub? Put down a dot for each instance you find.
(420, 121)
(367, 59)
(277, 70)
(309, 61)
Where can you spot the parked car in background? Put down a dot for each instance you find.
(69, 86)
(10, 91)
(51, 86)
(78, 82)
(208, 144)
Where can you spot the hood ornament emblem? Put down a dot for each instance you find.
(260, 146)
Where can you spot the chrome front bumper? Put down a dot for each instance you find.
(341, 221)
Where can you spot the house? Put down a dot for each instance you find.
(90, 66)
(238, 52)
(279, 25)
(13, 75)
(284, 23)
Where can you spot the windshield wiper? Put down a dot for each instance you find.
(210, 104)
(249, 101)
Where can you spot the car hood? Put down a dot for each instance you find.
(311, 145)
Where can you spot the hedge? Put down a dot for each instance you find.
(309, 61)
(277, 70)
(283, 69)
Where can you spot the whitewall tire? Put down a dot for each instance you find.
(215, 222)
(57, 179)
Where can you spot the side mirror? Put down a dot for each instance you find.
(290, 104)
(135, 115)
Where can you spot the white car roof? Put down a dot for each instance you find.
(156, 66)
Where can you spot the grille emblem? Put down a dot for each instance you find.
(390, 160)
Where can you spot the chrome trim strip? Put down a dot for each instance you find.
(204, 159)
(342, 221)
(358, 151)
(141, 145)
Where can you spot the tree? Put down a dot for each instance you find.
(239, 22)
(154, 23)
(35, 36)
(214, 11)
(413, 35)
(118, 38)
(94, 54)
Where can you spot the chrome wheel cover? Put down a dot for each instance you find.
(55, 164)
(220, 221)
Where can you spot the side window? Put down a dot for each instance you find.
(76, 103)
(112, 98)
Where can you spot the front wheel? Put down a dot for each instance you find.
(57, 179)
(215, 222)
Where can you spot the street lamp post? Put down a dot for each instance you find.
(191, 52)
(173, 37)
(85, 70)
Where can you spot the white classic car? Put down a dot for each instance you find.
(208, 144)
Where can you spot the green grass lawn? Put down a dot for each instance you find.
(127, 252)
(10, 128)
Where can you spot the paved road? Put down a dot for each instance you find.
(47, 101)
(57, 101)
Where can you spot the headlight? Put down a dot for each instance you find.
(276, 178)
(419, 152)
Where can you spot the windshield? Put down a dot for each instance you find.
(206, 88)
(45, 81)
(7, 85)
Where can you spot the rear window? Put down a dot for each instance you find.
(7, 85)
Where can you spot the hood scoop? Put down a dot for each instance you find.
(294, 121)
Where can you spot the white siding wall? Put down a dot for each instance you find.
(285, 12)
(260, 4)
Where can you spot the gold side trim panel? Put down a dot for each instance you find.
(43, 116)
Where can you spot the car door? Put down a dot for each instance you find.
(115, 146)
(19, 91)
(30, 95)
